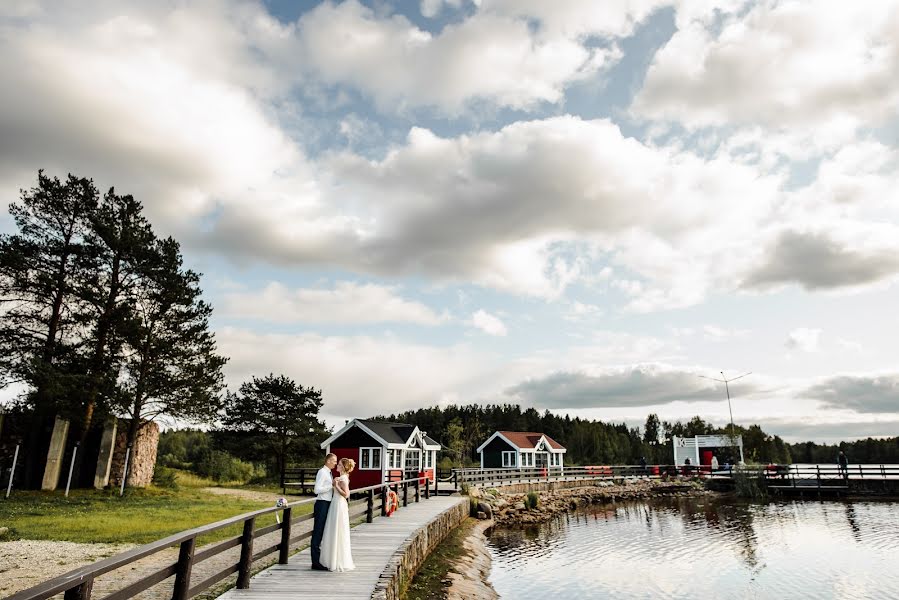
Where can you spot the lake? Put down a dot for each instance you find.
(704, 547)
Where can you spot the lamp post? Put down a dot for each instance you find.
(726, 381)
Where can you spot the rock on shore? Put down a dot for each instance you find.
(512, 508)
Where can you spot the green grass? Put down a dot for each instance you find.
(428, 583)
(141, 516)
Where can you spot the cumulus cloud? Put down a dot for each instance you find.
(487, 56)
(804, 339)
(346, 303)
(816, 64)
(359, 376)
(829, 259)
(494, 207)
(632, 386)
(859, 393)
(488, 323)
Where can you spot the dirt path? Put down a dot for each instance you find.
(26, 563)
(253, 495)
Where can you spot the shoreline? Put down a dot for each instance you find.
(469, 574)
(471, 578)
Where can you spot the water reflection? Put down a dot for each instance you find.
(687, 547)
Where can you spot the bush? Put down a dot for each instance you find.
(533, 500)
(165, 477)
(221, 466)
(473, 507)
(750, 483)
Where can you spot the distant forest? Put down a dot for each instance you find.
(463, 428)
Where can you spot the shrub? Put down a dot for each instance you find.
(165, 477)
(221, 466)
(750, 483)
(473, 507)
(533, 500)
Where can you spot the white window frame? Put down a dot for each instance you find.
(408, 453)
(527, 459)
(429, 459)
(393, 457)
(509, 459)
(370, 451)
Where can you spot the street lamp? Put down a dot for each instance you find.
(726, 381)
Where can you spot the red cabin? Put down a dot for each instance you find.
(384, 451)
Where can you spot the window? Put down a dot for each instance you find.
(554, 460)
(392, 459)
(508, 459)
(527, 459)
(429, 459)
(413, 460)
(370, 459)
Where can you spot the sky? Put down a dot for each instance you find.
(584, 207)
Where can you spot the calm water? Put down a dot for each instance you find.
(704, 548)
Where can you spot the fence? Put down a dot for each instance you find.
(78, 584)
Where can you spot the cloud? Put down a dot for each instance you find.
(487, 56)
(815, 64)
(819, 260)
(507, 208)
(803, 339)
(631, 386)
(488, 323)
(345, 303)
(859, 393)
(359, 376)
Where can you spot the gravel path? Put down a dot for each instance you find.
(26, 563)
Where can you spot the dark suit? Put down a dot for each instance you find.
(320, 517)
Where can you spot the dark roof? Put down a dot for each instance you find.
(392, 433)
(431, 441)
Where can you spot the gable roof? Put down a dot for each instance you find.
(524, 440)
(389, 434)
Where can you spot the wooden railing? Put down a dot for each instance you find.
(824, 476)
(481, 477)
(301, 478)
(775, 475)
(78, 584)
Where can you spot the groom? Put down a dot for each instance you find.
(324, 490)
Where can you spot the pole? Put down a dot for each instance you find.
(71, 468)
(125, 470)
(730, 410)
(12, 472)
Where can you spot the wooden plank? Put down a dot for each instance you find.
(374, 544)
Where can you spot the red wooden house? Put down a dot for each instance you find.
(384, 451)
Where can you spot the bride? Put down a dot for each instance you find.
(336, 554)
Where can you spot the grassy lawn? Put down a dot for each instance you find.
(428, 583)
(141, 516)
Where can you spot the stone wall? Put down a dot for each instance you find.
(143, 455)
(409, 557)
(544, 486)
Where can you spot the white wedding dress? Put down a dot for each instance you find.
(336, 554)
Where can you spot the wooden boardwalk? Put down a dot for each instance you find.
(373, 546)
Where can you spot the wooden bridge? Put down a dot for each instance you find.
(203, 570)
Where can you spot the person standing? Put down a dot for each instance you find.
(336, 552)
(843, 463)
(324, 491)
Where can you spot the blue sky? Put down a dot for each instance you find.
(576, 206)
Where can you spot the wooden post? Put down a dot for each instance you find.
(428, 486)
(246, 554)
(370, 509)
(284, 549)
(405, 494)
(384, 501)
(81, 591)
(185, 565)
(417, 493)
